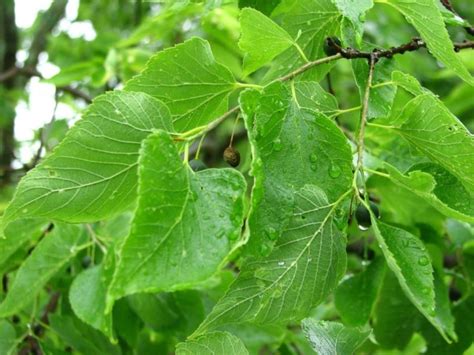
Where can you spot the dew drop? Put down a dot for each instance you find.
(334, 171)
(314, 167)
(423, 261)
(313, 158)
(265, 249)
(281, 263)
(363, 228)
(277, 146)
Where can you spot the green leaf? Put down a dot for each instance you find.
(92, 174)
(189, 81)
(81, 337)
(426, 17)
(332, 337)
(16, 235)
(460, 233)
(183, 219)
(87, 297)
(216, 343)
(438, 134)
(462, 312)
(409, 260)
(293, 143)
(304, 266)
(381, 98)
(355, 296)
(177, 313)
(395, 317)
(88, 291)
(352, 24)
(48, 257)
(76, 72)
(438, 187)
(310, 21)
(261, 39)
(264, 6)
(7, 338)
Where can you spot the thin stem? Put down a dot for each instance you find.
(248, 85)
(308, 66)
(186, 153)
(362, 124)
(375, 172)
(198, 131)
(371, 124)
(300, 51)
(383, 84)
(233, 131)
(340, 112)
(198, 151)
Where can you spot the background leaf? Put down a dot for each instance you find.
(258, 31)
(410, 262)
(355, 296)
(48, 257)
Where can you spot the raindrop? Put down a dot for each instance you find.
(363, 228)
(277, 146)
(314, 167)
(281, 263)
(313, 158)
(423, 261)
(265, 249)
(334, 171)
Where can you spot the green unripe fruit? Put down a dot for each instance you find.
(332, 45)
(86, 261)
(362, 215)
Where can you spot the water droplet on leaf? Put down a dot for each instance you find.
(334, 171)
(277, 145)
(423, 261)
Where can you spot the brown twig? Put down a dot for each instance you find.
(415, 44)
(32, 72)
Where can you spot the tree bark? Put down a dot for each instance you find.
(8, 49)
(9, 45)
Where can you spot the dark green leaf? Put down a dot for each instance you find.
(48, 257)
(183, 219)
(355, 296)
